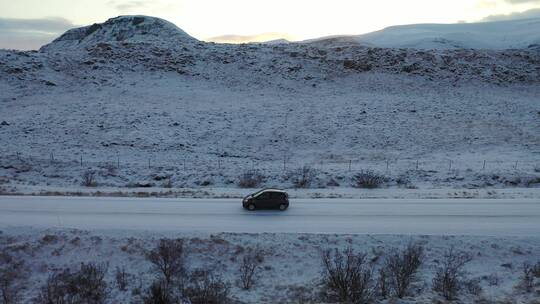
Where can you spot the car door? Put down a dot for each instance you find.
(262, 200)
(273, 200)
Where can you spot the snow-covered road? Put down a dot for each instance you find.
(368, 216)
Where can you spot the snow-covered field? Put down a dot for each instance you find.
(291, 268)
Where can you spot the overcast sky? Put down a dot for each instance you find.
(28, 24)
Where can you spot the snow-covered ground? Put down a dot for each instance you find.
(291, 267)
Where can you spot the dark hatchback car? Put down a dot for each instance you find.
(267, 199)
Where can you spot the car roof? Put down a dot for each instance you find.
(269, 190)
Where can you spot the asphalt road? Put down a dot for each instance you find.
(366, 216)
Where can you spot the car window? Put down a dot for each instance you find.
(276, 195)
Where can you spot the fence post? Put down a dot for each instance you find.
(118, 162)
(450, 165)
(81, 161)
(52, 157)
(387, 165)
(516, 165)
(184, 164)
(149, 163)
(350, 162)
(484, 166)
(416, 164)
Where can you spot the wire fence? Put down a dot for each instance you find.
(195, 162)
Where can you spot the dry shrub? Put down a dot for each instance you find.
(368, 179)
(382, 283)
(250, 179)
(168, 259)
(536, 270)
(450, 277)
(473, 287)
(249, 266)
(303, 177)
(12, 273)
(168, 183)
(527, 279)
(122, 278)
(89, 179)
(85, 285)
(401, 267)
(347, 277)
(204, 287)
(160, 293)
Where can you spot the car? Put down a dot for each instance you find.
(267, 199)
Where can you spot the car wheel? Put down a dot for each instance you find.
(251, 207)
(282, 207)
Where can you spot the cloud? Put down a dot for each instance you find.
(30, 34)
(129, 5)
(532, 13)
(522, 1)
(249, 38)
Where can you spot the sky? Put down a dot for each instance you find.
(28, 24)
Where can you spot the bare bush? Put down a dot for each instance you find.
(382, 283)
(250, 179)
(168, 183)
(303, 177)
(248, 268)
(473, 287)
(204, 287)
(493, 279)
(160, 293)
(168, 259)
(12, 273)
(368, 179)
(89, 179)
(450, 277)
(122, 278)
(347, 278)
(536, 270)
(85, 285)
(526, 282)
(402, 267)
(531, 181)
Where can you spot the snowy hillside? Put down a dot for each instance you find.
(141, 94)
(513, 34)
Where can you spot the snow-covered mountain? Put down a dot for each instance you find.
(511, 34)
(137, 89)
